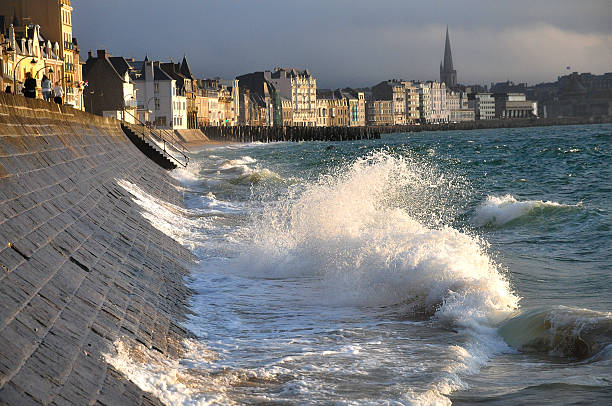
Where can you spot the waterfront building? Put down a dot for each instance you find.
(394, 91)
(575, 95)
(439, 105)
(300, 87)
(412, 102)
(448, 75)
(458, 107)
(514, 105)
(332, 108)
(191, 93)
(483, 105)
(208, 100)
(424, 91)
(25, 50)
(264, 94)
(55, 19)
(286, 112)
(379, 112)
(110, 91)
(356, 106)
(158, 96)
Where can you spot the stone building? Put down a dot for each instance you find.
(379, 113)
(439, 106)
(25, 50)
(356, 106)
(287, 112)
(483, 105)
(264, 94)
(301, 88)
(412, 102)
(110, 92)
(157, 93)
(514, 105)
(394, 91)
(448, 75)
(424, 91)
(458, 107)
(55, 19)
(332, 108)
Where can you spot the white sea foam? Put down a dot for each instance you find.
(498, 211)
(187, 226)
(191, 380)
(370, 234)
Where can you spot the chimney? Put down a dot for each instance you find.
(89, 54)
(102, 53)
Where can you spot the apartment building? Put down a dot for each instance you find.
(300, 87)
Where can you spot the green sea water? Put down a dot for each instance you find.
(472, 267)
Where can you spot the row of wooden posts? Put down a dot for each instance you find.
(274, 134)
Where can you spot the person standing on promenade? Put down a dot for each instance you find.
(46, 88)
(29, 88)
(59, 93)
(8, 89)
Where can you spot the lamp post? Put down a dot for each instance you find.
(44, 67)
(33, 62)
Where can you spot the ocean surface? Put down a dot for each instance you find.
(423, 268)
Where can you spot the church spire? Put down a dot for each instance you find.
(448, 74)
(448, 56)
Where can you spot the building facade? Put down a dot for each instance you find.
(110, 92)
(379, 113)
(55, 19)
(24, 51)
(301, 88)
(483, 105)
(394, 91)
(412, 103)
(514, 105)
(439, 104)
(158, 95)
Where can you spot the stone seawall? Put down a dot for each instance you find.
(79, 265)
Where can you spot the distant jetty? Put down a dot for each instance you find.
(298, 134)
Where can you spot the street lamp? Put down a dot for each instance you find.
(44, 67)
(33, 62)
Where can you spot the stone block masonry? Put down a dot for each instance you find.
(79, 266)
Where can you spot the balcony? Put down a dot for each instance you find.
(68, 45)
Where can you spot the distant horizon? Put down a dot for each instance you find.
(356, 43)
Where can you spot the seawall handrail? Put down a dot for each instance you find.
(160, 138)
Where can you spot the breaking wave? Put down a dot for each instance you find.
(498, 211)
(561, 331)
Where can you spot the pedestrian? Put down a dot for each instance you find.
(8, 89)
(59, 93)
(46, 88)
(29, 87)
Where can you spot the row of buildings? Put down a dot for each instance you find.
(36, 38)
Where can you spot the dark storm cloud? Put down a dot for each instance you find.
(357, 42)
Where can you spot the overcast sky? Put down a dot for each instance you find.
(357, 42)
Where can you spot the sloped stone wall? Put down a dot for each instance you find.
(79, 265)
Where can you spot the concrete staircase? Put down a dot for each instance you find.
(150, 149)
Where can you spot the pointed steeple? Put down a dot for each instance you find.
(448, 74)
(448, 56)
(185, 69)
(146, 58)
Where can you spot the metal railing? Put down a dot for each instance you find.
(157, 135)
